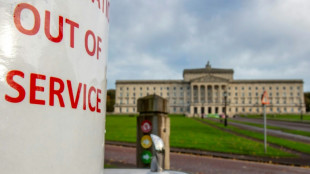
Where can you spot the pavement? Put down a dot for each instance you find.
(125, 157)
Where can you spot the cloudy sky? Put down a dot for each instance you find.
(259, 39)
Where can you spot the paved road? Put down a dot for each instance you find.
(278, 123)
(125, 157)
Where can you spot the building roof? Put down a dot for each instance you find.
(207, 69)
(151, 82)
(269, 81)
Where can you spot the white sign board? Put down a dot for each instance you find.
(53, 58)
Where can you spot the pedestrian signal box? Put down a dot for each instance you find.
(152, 119)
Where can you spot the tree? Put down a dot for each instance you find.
(307, 101)
(110, 100)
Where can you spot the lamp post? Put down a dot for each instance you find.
(225, 108)
(300, 107)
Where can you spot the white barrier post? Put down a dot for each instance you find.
(53, 58)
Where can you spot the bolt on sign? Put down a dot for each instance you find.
(53, 58)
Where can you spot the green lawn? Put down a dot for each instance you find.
(190, 133)
(301, 147)
(297, 132)
(121, 128)
(288, 117)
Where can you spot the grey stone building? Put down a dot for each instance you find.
(203, 91)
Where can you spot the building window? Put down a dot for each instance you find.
(154, 88)
(270, 88)
(181, 88)
(121, 94)
(147, 88)
(250, 88)
(140, 88)
(134, 88)
(242, 88)
(134, 94)
(174, 88)
(277, 88)
(236, 88)
(284, 94)
(291, 88)
(270, 109)
(236, 94)
(127, 88)
(250, 109)
(250, 94)
(121, 88)
(167, 88)
(256, 88)
(284, 88)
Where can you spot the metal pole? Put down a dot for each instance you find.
(265, 129)
(225, 121)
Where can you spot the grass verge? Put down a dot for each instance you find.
(297, 132)
(190, 133)
(301, 147)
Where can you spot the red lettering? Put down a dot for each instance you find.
(47, 28)
(91, 89)
(98, 3)
(17, 13)
(89, 32)
(16, 86)
(84, 97)
(98, 47)
(34, 88)
(98, 100)
(72, 26)
(74, 102)
(58, 92)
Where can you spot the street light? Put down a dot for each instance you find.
(225, 108)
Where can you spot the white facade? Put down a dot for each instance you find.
(202, 92)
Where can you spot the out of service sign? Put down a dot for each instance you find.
(53, 58)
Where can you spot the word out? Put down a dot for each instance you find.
(47, 26)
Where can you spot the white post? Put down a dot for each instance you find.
(265, 129)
